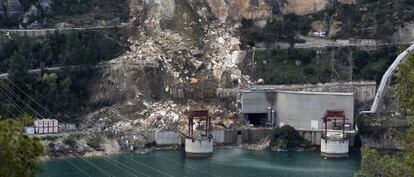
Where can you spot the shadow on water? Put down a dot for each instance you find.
(226, 162)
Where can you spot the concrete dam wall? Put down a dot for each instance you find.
(364, 91)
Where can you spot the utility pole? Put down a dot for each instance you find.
(351, 65)
(332, 64)
(253, 55)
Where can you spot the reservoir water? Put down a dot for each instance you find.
(226, 162)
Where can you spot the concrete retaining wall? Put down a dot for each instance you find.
(363, 90)
(167, 138)
(229, 137)
(198, 147)
(225, 137)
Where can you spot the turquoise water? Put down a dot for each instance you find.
(225, 163)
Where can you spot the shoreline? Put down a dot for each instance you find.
(98, 154)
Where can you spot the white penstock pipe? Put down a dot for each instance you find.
(387, 77)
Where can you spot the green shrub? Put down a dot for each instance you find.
(70, 141)
(49, 138)
(95, 142)
(288, 138)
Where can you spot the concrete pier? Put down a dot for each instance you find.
(198, 147)
(335, 145)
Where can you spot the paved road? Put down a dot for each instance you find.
(315, 43)
(45, 31)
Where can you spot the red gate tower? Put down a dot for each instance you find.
(199, 141)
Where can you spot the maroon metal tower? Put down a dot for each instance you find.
(200, 115)
(333, 116)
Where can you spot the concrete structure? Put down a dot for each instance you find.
(46, 126)
(335, 145)
(364, 91)
(335, 141)
(199, 141)
(65, 127)
(167, 138)
(29, 130)
(301, 110)
(198, 147)
(48, 31)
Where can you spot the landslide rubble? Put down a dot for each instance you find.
(168, 71)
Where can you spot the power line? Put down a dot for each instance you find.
(29, 97)
(3, 85)
(44, 97)
(159, 171)
(106, 173)
(111, 39)
(11, 102)
(83, 172)
(27, 105)
(194, 169)
(90, 163)
(125, 167)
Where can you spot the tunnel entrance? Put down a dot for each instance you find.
(257, 120)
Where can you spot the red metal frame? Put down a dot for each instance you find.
(201, 115)
(333, 115)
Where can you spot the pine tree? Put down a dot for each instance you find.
(19, 152)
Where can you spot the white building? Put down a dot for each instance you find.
(46, 126)
(30, 130)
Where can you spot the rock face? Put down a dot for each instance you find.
(237, 9)
(386, 142)
(405, 33)
(261, 9)
(12, 8)
(301, 7)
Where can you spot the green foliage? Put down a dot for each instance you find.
(405, 85)
(297, 66)
(19, 152)
(279, 67)
(95, 142)
(74, 48)
(288, 138)
(370, 128)
(70, 141)
(60, 94)
(277, 29)
(26, 119)
(19, 66)
(50, 138)
(373, 164)
(369, 18)
(71, 7)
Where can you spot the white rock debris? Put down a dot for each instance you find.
(192, 67)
